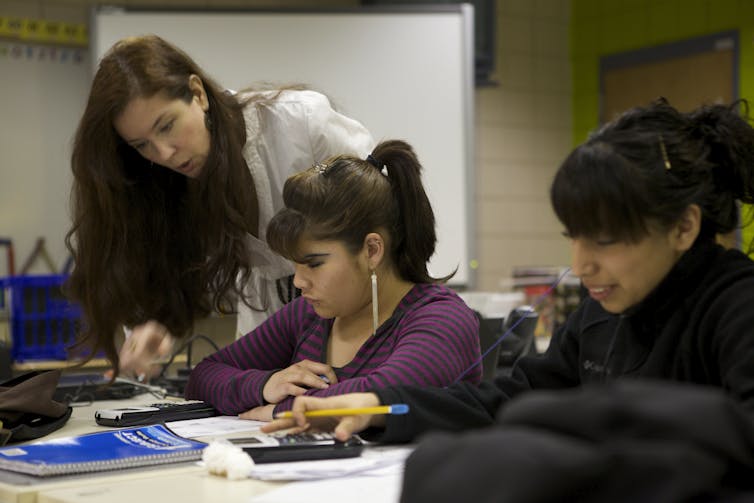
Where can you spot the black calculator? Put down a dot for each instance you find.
(275, 448)
(154, 413)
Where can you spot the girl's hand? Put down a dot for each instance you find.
(297, 379)
(140, 353)
(343, 426)
(261, 413)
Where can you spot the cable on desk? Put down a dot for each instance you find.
(187, 345)
(177, 384)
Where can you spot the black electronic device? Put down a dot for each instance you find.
(88, 387)
(518, 330)
(154, 413)
(275, 448)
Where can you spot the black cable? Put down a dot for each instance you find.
(186, 344)
(197, 337)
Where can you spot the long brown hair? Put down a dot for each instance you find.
(149, 243)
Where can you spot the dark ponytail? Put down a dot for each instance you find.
(414, 230)
(727, 141)
(345, 198)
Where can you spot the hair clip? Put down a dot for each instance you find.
(384, 170)
(320, 168)
(664, 154)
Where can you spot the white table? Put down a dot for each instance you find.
(184, 483)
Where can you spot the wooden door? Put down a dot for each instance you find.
(688, 74)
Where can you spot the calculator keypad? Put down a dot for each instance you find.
(305, 438)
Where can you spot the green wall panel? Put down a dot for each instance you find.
(606, 27)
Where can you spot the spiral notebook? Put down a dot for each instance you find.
(101, 451)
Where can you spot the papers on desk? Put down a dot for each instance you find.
(385, 489)
(213, 426)
(375, 477)
(373, 461)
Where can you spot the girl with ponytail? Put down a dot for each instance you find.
(360, 233)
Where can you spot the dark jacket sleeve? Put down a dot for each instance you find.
(455, 408)
(623, 441)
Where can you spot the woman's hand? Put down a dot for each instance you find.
(342, 426)
(148, 342)
(297, 379)
(261, 413)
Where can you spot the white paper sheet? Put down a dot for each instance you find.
(375, 477)
(363, 489)
(213, 426)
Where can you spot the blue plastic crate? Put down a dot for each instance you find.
(43, 323)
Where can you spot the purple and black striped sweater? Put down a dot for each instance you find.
(430, 339)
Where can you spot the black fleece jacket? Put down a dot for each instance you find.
(696, 327)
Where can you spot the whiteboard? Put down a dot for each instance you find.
(403, 73)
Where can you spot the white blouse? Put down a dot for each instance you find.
(285, 136)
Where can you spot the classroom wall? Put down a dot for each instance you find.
(602, 27)
(523, 130)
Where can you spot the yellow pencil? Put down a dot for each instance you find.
(396, 408)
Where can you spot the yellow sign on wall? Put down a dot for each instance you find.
(43, 31)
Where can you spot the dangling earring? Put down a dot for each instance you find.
(208, 120)
(375, 306)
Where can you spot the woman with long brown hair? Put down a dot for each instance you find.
(174, 181)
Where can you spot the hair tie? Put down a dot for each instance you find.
(377, 164)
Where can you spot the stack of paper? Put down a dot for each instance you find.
(375, 477)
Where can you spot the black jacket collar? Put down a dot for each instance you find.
(680, 283)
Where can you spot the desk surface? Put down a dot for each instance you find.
(192, 484)
(187, 482)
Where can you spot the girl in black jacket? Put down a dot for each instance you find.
(642, 202)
